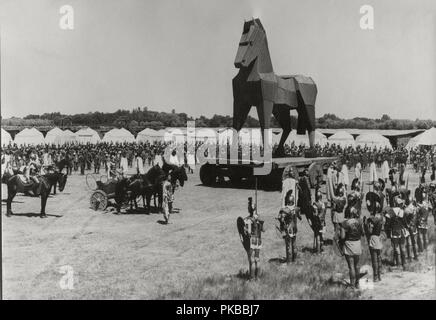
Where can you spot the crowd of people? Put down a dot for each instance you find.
(395, 210)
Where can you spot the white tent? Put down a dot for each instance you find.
(373, 140)
(303, 139)
(67, 137)
(51, 136)
(427, 138)
(6, 138)
(342, 138)
(209, 134)
(149, 135)
(118, 136)
(226, 135)
(87, 135)
(250, 136)
(29, 137)
(175, 135)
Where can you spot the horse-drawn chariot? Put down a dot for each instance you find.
(103, 191)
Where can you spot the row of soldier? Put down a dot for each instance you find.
(402, 217)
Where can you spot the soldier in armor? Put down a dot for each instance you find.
(373, 227)
(410, 216)
(424, 209)
(288, 225)
(397, 230)
(391, 193)
(318, 222)
(351, 234)
(253, 228)
(338, 205)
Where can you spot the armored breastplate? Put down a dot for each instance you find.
(256, 228)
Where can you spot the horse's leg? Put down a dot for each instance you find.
(154, 198)
(44, 196)
(148, 195)
(160, 199)
(11, 195)
(240, 108)
(283, 117)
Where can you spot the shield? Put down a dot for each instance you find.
(418, 194)
(355, 183)
(315, 174)
(245, 239)
(405, 195)
(373, 202)
(382, 184)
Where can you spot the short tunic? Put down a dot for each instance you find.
(353, 232)
(352, 248)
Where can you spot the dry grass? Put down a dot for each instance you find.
(198, 256)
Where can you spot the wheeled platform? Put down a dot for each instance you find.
(215, 170)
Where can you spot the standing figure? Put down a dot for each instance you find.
(343, 176)
(351, 234)
(424, 209)
(396, 230)
(124, 165)
(82, 163)
(252, 230)
(167, 198)
(338, 205)
(357, 170)
(332, 181)
(139, 164)
(97, 162)
(373, 227)
(385, 170)
(288, 225)
(410, 216)
(317, 223)
(289, 182)
(373, 171)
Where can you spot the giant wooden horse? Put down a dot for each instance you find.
(256, 84)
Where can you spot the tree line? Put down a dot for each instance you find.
(140, 118)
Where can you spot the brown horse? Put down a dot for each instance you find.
(42, 188)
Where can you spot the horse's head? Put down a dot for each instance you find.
(62, 181)
(252, 37)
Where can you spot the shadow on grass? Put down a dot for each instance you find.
(33, 215)
(277, 261)
(4, 201)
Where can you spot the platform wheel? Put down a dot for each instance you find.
(208, 174)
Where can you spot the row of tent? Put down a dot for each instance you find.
(246, 136)
(427, 138)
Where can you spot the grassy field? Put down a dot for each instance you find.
(198, 256)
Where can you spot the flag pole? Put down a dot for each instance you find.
(255, 194)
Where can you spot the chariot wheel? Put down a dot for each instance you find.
(99, 200)
(91, 182)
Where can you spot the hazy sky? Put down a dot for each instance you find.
(168, 54)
